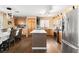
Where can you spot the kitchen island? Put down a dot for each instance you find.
(39, 39)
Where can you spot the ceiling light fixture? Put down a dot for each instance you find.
(8, 8)
(9, 12)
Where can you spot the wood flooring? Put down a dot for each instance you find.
(25, 46)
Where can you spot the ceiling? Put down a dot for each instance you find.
(33, 10)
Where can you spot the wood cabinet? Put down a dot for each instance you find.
(31, 24)
(50, 32)
(19, 20)
(60, 37)
(25, 32)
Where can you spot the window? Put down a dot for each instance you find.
(44, 23)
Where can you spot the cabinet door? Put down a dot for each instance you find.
(49, 32)
(5, 21)
(31, 23)
(1, 21)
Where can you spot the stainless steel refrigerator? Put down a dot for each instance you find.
(70, 41)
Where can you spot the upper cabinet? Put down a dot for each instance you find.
(1, 20)
(55, 22)
(5, 21)
(19, 21)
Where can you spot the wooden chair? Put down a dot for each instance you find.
(18, 37)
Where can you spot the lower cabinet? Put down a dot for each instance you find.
(49, 32)
(25, 32)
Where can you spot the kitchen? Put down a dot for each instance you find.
(32, 29)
